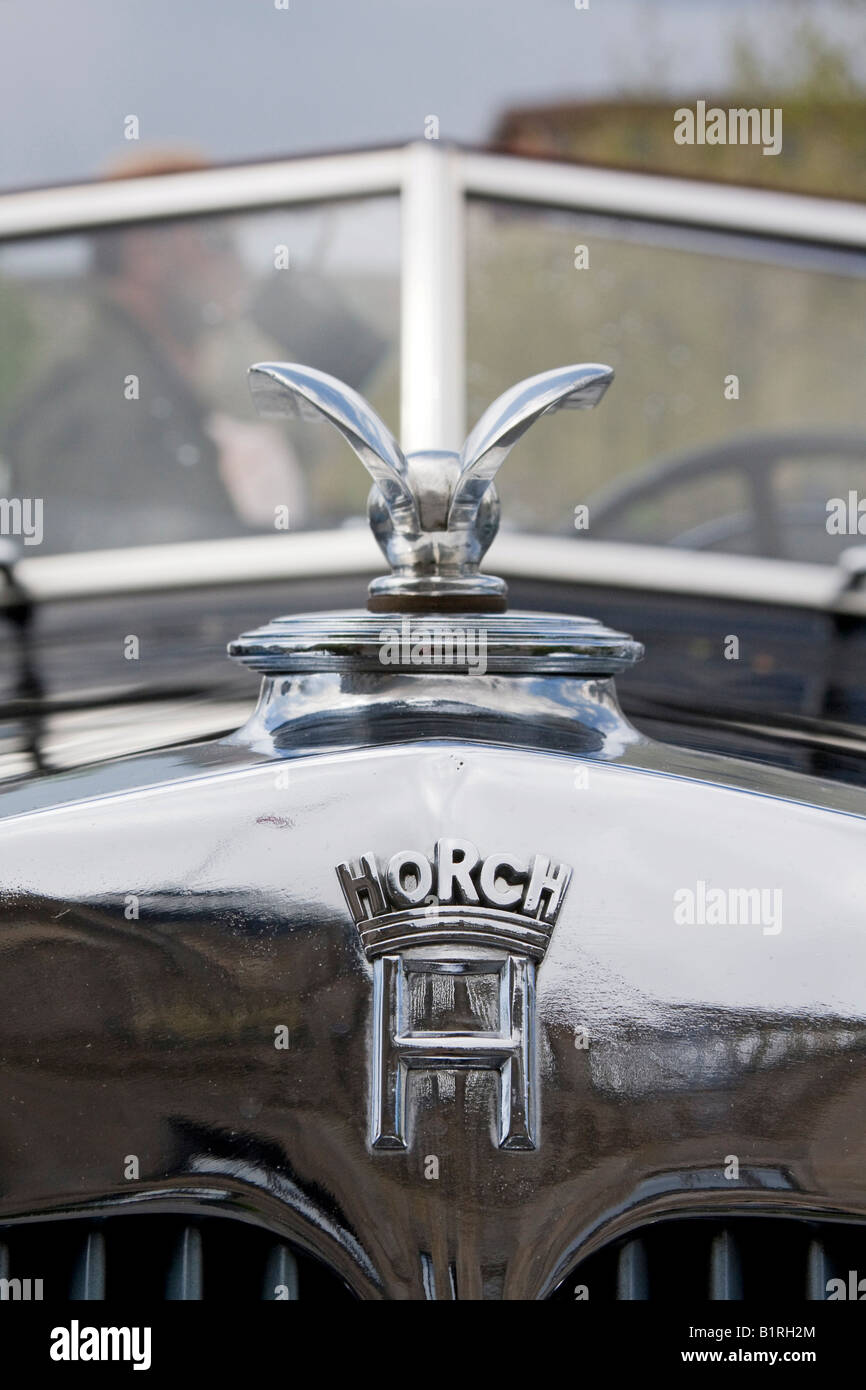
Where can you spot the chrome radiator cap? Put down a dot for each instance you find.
(512, 644)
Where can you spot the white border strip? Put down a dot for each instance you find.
(663, 569)
(711, 205)
(370, 172)
(432, 294)
(211, 564)
(284, 182)
(352, 551)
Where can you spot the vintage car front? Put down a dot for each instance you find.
(437, 979)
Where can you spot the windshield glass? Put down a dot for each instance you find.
(124, 409)
(737, 420)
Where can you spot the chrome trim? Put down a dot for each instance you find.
(501, 644)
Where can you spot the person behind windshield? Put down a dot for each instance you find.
(125, 434)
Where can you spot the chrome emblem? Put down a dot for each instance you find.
(453, 921)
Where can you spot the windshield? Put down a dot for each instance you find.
(124, 409)
(737, 421)
(738, 412)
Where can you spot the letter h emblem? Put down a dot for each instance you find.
(476, 962)
(400, 1046)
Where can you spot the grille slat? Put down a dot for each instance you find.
(281, 1275)
(632, 1283)
(726, 1274)
(818, 1271)
(184, 1283)
(88, 1278)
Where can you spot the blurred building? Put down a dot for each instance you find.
(823, 149)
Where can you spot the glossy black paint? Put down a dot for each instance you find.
(796, 698)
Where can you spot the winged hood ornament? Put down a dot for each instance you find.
(433, 513)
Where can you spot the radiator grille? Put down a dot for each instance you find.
(158, 1258)
(748, 1259)
(215, 1259)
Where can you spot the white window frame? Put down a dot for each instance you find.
(433, 183)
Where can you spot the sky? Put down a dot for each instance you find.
(244, 79)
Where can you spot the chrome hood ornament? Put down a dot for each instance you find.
(434, 514)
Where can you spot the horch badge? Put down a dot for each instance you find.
(454, 922)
